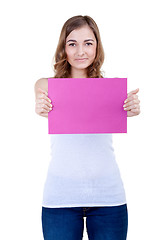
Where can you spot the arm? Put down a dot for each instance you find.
(43, 103)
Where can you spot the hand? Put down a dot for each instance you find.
(132, 104)
(43, 103)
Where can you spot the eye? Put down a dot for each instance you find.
(89, 43)
(71, 44)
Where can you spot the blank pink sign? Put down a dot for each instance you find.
(87, 105)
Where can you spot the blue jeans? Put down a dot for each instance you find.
(102, 223)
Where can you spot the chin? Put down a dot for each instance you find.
(81, 66)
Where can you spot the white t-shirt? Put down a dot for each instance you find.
(83, 172)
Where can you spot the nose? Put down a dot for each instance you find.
(80, 50)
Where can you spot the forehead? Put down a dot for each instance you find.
(81, 34)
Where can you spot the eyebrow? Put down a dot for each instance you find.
(71, 40)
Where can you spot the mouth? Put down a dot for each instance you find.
(81, 59)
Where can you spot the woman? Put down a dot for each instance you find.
(83, 178)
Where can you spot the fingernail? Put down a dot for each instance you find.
(125, 101)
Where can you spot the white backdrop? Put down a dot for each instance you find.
(29, 35)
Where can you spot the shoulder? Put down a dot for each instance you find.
(42, 83)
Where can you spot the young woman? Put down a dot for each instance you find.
(83, 178)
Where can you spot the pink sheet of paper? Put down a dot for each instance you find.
(87, 105)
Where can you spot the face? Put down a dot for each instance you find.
(81, 47)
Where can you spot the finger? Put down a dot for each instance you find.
(130, 98)
(131, 107)
(44, 108)
(43, 96)
(133, 92)
(42, 91)
(40, 110)
(136, 110)
(131, 102)
(44, 114)
(41, 101)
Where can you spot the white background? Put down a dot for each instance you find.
(29, 35)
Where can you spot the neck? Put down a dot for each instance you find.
(78, 73)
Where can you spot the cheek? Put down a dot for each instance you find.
(69, 52)
(92, 52)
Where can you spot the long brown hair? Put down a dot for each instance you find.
(61, 65)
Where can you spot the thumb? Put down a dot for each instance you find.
(133, 92)
(42, 91)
